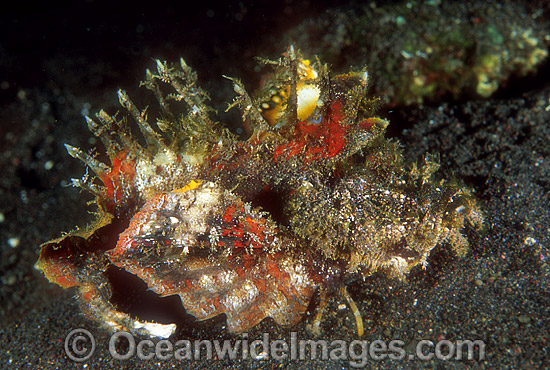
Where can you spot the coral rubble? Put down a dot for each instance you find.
(431, 50)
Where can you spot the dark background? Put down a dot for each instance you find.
(60, 60)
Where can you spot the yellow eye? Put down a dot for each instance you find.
(308, 95)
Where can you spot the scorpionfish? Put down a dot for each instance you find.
(315, 197)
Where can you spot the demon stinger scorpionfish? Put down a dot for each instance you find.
(316, 197)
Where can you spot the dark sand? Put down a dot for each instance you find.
(57, 63)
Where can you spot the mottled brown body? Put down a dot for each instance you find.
(251, 229)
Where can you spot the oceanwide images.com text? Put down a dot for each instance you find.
(80, 346)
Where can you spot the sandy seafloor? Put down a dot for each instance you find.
(58, 62)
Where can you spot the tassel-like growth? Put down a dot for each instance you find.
(316, 197)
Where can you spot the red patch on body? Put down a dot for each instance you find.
(317, 141)
(123, 170)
